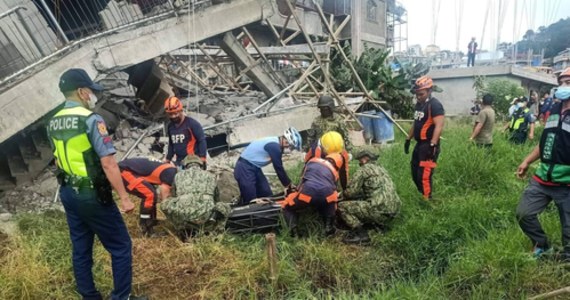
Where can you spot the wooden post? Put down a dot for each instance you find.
(319, 61)
(272, 257)
(552, 294)
(350, 65)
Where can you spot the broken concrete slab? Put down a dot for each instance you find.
(250, 130)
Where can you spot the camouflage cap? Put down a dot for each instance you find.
(191, 159)
(371, 152)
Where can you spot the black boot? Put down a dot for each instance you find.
(357, 236)
(215, 217)
(329, 226)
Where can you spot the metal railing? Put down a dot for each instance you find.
(36, 29)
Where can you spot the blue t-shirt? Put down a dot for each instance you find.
(264, 151)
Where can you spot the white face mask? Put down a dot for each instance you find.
(92, 101)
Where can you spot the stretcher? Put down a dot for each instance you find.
(260, 217)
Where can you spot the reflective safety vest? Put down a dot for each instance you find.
(554, 164)
(518, 120)
(73, 150)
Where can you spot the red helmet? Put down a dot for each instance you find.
(565, 73)
(172, 104)
(424, 82)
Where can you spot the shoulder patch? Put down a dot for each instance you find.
(102, 128)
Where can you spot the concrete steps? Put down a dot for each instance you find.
(24, 157)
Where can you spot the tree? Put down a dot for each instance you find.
(379, 78)
(503, 92)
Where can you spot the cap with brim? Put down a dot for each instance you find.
(514, 101)
(73, 79)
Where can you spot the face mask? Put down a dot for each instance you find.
(92, 101)
(562, 93)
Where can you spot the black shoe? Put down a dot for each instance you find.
(329, 226)
(131, 297)
(358, 236)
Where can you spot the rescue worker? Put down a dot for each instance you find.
(87, 169)
(195, 204)
(140, 175)
(185, 135)
(260, 153)
(327, 121)
(370, 199)
(331, 142)
(318, 189)
(426, 130)
(551, 180)
(521, 124)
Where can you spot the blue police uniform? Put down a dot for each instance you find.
(252, 183)
(88, 214)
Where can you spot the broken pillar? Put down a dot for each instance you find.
(258, 74)
(151, 85)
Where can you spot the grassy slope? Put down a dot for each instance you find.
(465, 245)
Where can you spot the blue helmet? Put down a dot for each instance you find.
(293, 137)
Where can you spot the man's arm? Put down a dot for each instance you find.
(354, 189)
(274, 151)
(476, 130)
(200, 137)
(111, 169)
(170, 152)
(531, 131)
(438, 123)
(532, 157)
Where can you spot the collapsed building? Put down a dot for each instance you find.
(244, 68)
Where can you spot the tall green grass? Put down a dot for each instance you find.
(466, 244)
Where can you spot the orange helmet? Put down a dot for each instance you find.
(172, 104)
(336, 159)
(424, 82)
(565, 73)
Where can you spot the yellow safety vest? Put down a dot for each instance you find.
(68, 133)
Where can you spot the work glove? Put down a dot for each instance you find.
(407, 146)
(433, 148)
(204, 166)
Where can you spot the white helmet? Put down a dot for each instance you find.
(293, 137)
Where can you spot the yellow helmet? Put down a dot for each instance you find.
(332, 142)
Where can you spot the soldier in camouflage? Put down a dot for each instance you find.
(327, 121)
(196, 205)
(371, 196)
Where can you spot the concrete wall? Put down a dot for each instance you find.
(368, 26)
(458, 93)
(16, 44)
(32, 97)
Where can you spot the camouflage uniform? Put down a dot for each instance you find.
(321, 125)
(196, 199)
(374, 198)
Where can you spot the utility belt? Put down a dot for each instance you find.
(99, 184)
(77, 182)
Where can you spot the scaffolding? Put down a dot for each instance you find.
(396, 26)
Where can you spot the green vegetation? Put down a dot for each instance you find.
(464, 245)
(503, 92)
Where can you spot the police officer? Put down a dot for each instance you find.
(426, 130)
(87, 169)
(327, 121)
(185, 135)
(140, 175)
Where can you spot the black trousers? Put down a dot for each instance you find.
(423, 165)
